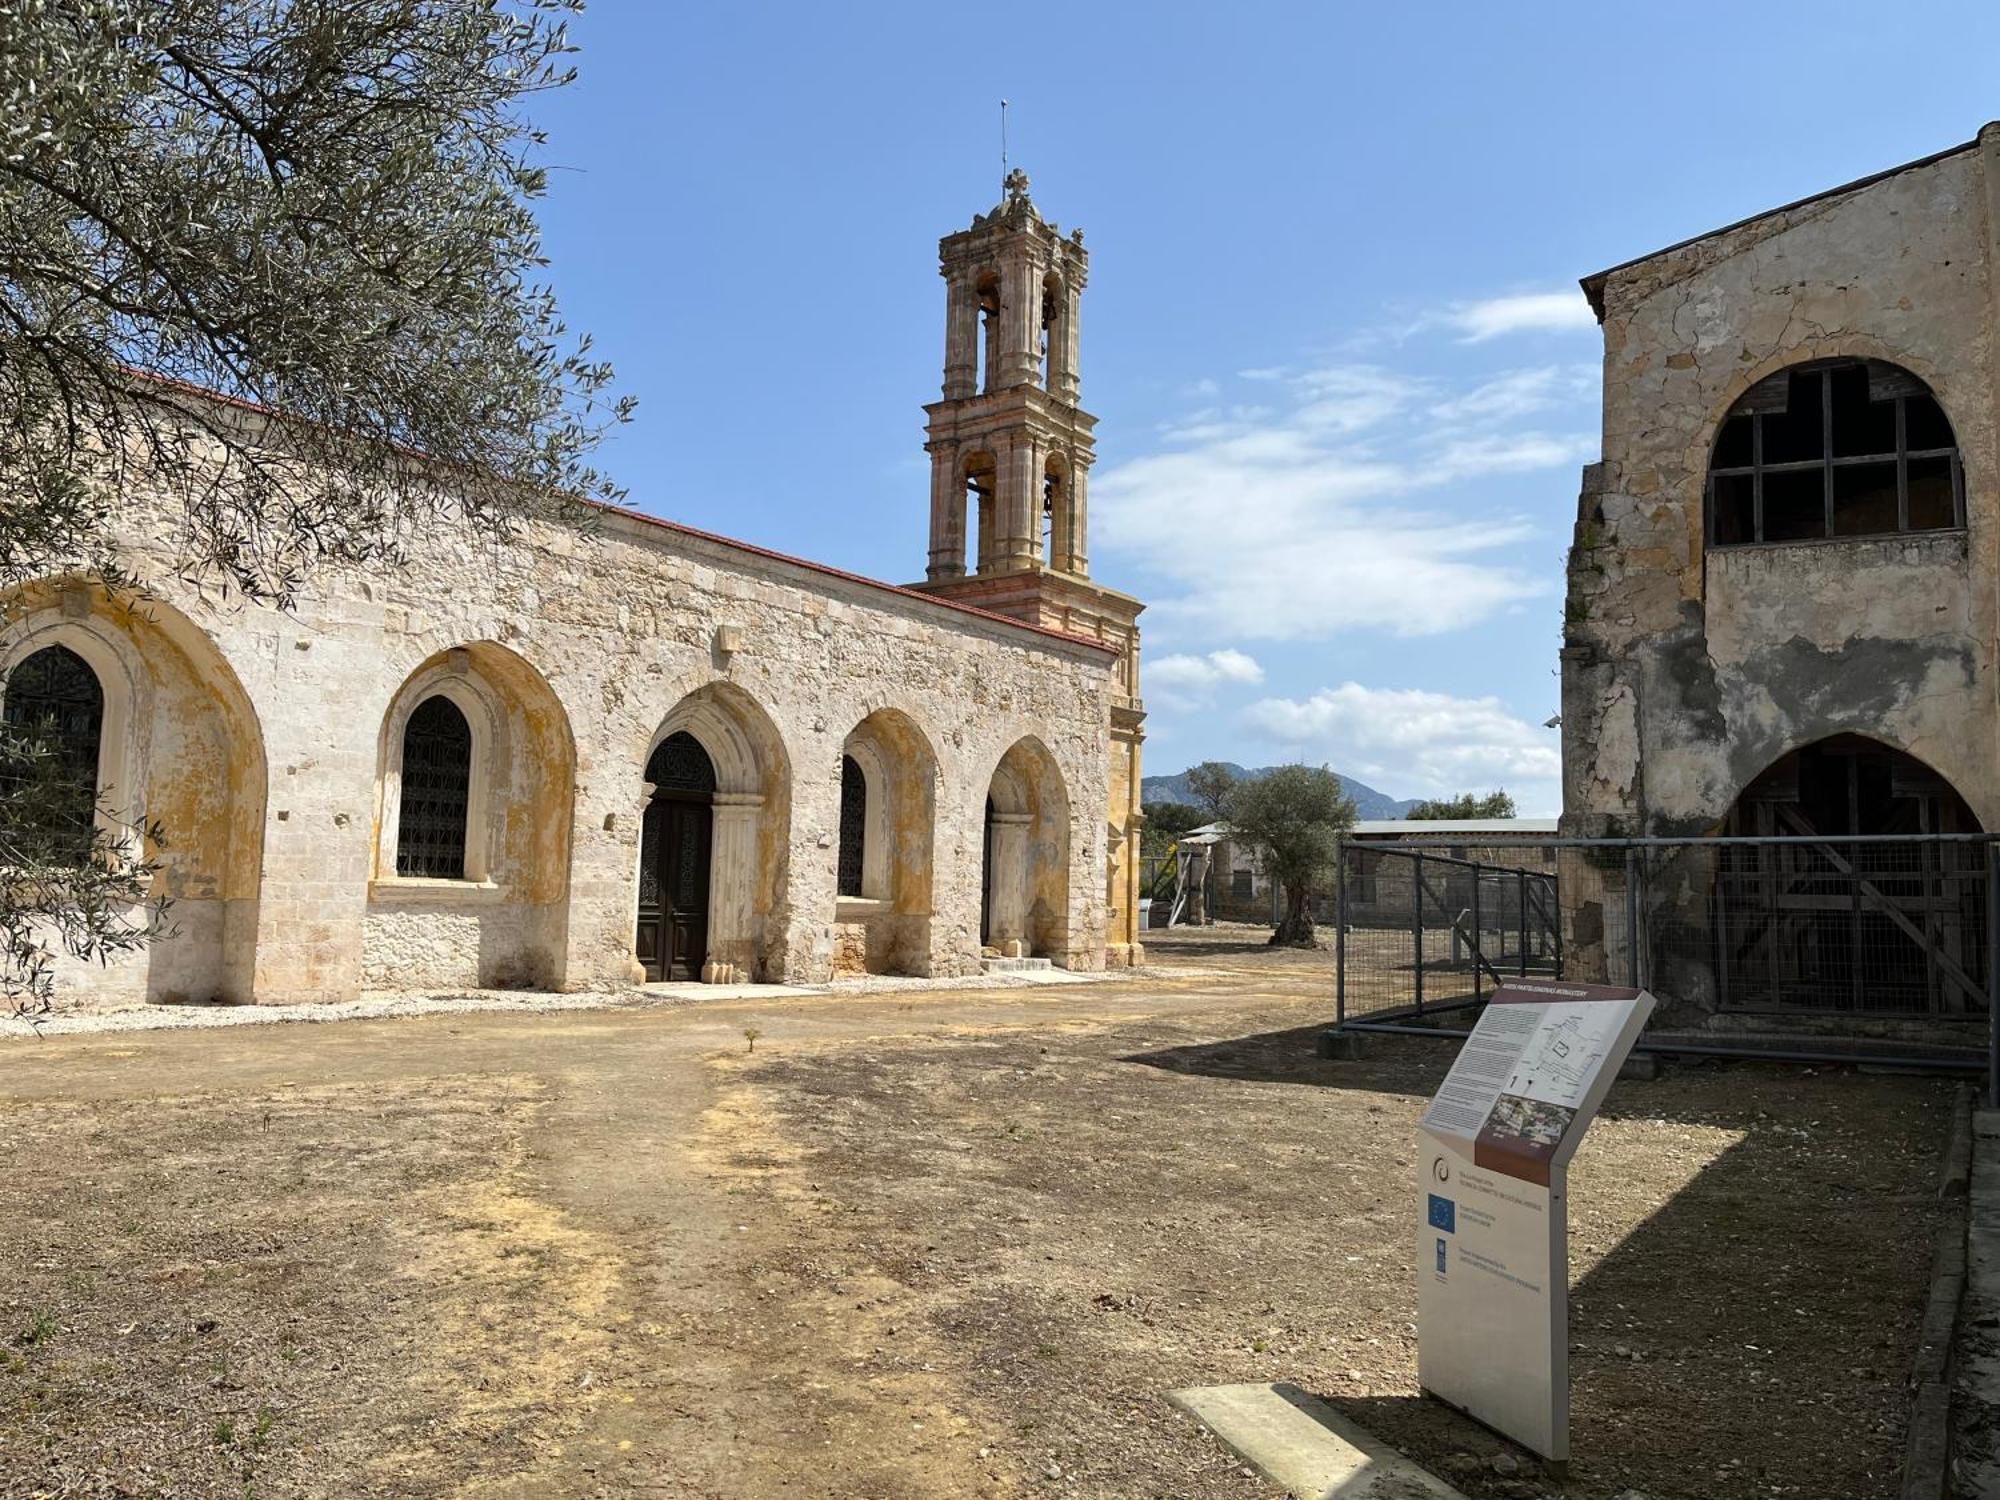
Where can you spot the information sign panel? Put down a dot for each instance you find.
(1492, 1201)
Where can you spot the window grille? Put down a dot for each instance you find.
(55, 704)
(437, 787)
(680, 764)
(1840, 448)
(853, 825)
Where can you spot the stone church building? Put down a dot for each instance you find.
(587, 756)
(1781, 614)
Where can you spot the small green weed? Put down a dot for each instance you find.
(41, 1328)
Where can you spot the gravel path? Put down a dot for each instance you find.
(379, 1004)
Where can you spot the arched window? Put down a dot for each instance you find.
(55, 708)
(1835, 448)
(979, 480)
(988, 291)
(437, 789)
(853, 826)
(1055, 513)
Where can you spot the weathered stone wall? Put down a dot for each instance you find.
(581, 645)
(1689, 670)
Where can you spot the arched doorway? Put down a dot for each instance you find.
(1024, 911)
(1865, 910)
(714, 842)
(674, 854)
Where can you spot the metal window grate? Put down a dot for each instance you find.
(1833, 449)
(680, 764)
(853, 825)
(54, 703)
(437, 784)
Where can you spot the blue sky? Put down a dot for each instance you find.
(1344, 378)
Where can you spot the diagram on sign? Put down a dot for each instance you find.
(1564, 1053)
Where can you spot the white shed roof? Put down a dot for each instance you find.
(1412, 827)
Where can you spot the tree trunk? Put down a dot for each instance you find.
(1296, 929)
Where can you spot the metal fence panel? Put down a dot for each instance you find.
(1883, 937)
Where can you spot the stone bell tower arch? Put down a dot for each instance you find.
(1011, 451)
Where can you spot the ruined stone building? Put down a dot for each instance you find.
(587, 756)
(1781, 609)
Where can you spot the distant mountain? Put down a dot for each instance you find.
(1368, 803)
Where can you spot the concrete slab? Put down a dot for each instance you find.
(694, 989)
(1014, 965)
(1300, 1442)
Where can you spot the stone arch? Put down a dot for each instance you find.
(885, 928)
(501, 922)
(749, 851)
(1025, 883)
(1882, 789)
(181, 747)
(1861, 912)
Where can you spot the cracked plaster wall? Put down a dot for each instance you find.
(1686, 672)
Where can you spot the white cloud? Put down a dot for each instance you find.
(1524, 312)
(1418, 742)
(1188, 681)
(1509, 453)
(1327, 506)
(1520, 393)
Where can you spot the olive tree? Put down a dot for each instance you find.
(1210, 784)
(1295, 816)
(276, 264)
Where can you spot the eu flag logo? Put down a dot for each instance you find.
(1444, 1214)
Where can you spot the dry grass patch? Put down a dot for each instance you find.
(316, 1291)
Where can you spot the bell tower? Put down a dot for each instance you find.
(1011, 452)
(1009, 445)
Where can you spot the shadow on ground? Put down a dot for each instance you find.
(1290, 1056)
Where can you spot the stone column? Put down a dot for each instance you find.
(732, 885)
(1062, 525)
(1077, 532)
(947, 558)
(1020, 496)
(1007, 925)
(961, 338)
(1020, 324)
(1064, 383)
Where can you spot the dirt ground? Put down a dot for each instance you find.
(944, 1245)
